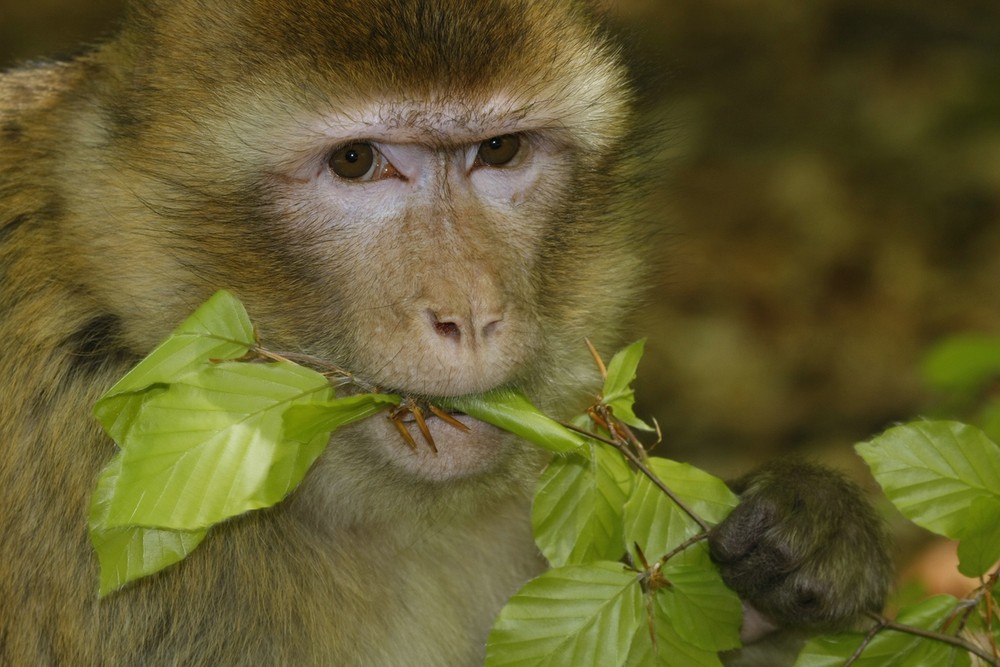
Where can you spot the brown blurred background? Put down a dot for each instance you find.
(831, 201)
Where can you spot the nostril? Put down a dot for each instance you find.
(492, 327)
(447, 329)
(445, 326)
(468, 329)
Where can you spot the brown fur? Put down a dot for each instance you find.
(141, 177)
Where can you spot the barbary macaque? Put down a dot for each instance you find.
(434, 194)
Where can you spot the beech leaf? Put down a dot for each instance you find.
(131, 552)
(574, 616)
(219, 329)
(577, 513)
(657, 524)
(889, 648)
(513, 412)
(703, 611)
(213, 446)
(933, 471)
(618, 393)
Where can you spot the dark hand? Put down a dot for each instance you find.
(804, 547)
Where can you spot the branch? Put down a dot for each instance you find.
(957, 642)
(336, 374)
(864, 644)
(641, 467)
(690, 542)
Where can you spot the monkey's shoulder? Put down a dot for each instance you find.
(36, 87)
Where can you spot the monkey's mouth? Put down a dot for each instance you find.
(436, 443)
(429, 435)
(419, 413)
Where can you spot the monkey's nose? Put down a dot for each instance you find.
(470, 328)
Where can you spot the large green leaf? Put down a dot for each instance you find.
(670, 650)
(979, 549)
(131, 552)
(574, 616)
(657, 524)
(618, 393)
(934, 471)
(703, 611)
(214, 445)
(305, 421)
(694, 618)
(511, 411)
(219, 329)
(577, 513)
(890, 648)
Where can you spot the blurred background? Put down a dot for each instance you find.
(831, 203)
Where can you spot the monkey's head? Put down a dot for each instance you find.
(433, 194)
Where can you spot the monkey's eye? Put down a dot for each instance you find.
(360, 161)
(499, 151)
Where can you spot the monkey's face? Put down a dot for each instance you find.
(425, 243)
(420, 192)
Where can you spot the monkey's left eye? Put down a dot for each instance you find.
(499, 151)
(360, 161)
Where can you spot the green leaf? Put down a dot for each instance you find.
(577, 513)
(213, 446)
(618, 393)
(577, 616)
(203, 440)
(129, 553)
(963, 363)
(698, 615)
(703, 611)
(670, 649)
(890, 648)
(657, 524)
(933, 471)
(511, 411)
(694, 618)
(303, 422)
(979, 548)
(219, 329)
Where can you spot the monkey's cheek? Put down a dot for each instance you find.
(481, 449)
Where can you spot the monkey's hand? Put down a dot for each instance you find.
(804, 547)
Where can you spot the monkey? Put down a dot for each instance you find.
(438, 195)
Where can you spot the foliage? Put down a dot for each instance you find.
(945, 477)
(211, 425)
(595, 505)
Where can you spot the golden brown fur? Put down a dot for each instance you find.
(141, 177)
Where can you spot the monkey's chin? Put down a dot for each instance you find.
(459, 453)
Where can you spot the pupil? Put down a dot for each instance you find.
(352, 156)
(496, 144)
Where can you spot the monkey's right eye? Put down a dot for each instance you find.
(353, 161)
(360, 161)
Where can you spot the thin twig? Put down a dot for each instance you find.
(690, 542)
(318, 364)
(988, 583)
(957, 642)
(641, 467)
(597, 359)
(864, 644)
